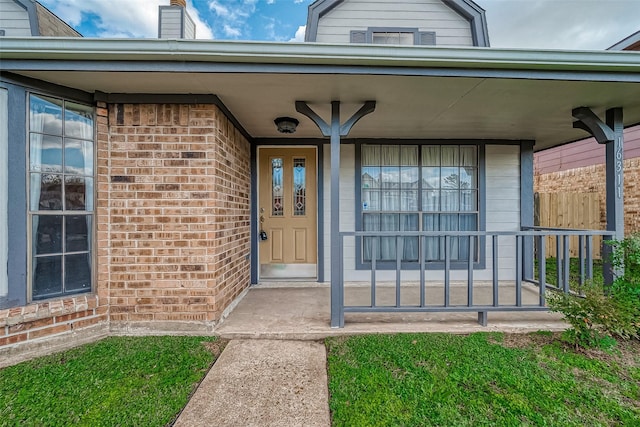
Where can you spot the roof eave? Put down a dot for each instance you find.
(92, 49)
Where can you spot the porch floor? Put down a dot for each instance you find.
(301, 311)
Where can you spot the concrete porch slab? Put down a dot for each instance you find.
(299, 312)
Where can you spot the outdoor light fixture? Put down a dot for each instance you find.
(286, 124)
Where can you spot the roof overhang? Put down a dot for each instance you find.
(421, 92)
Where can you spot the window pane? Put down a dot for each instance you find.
(409, 177)
(277, 191)
(78, 121)
(431, 201)
(391, 177)
(78, 193)
(46, 234)
(388, 222)
(468, 177)
(46, 192)
(299, 187)
(450, 201)
(371, 177)
(431, 177)
(468, 200)
(77, 272)
(45, 115)
(47, 276)
(390, 155)
(431, 222)
(371, 222)
(409, 201)
(370, 200)
(450, 178)
(409, 155)
(78, 157)
(449, 223)
(78, 233)
(370, 155)
(45, 153)
(410, 247)
(468, 155)
(450, 155)
(390, 200)
(431, 155)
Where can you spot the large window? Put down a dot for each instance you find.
(419, 188)
(61, 188)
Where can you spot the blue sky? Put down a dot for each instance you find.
(532, 24)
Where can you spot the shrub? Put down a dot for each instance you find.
(601, 314)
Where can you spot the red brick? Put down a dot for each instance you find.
(58, 329)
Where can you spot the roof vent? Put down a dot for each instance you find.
(175, 22)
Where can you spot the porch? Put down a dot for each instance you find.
(301, 310)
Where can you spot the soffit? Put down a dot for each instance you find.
(407, 106)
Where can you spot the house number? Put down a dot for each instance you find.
(619, 167)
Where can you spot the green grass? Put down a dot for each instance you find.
(119, 381)
(452, 380)
(574, 271)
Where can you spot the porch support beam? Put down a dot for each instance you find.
(615, 187)
(335, 131)
(611, 134)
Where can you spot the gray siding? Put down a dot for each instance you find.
(14, 19)
(170, 23)
(426, 15)
(189, 27)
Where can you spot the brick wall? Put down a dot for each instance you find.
(47, 326)
(593, 179)
(173, 207)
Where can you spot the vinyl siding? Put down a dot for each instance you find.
(502, 214)
(189, 27)
(14, 19)
(426, 15)
(170, 23)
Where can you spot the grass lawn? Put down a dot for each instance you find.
(574, 271)
(119, 381)
(480, 379)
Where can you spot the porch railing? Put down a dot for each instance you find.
(529, 245)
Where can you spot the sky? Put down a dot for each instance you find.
(529, 24)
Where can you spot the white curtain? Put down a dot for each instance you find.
(4, 192)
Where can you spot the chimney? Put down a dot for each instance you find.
(174, 21)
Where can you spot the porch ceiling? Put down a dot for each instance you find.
(407, 106)
(420, 92)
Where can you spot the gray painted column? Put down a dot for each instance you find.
(335, 131)
(615, 187)
(526, 205)
(337, 314)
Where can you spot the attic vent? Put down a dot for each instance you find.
(427, 38)
(358, 36)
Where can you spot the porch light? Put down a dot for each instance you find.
(286, 124)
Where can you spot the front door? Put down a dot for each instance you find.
(287, 213)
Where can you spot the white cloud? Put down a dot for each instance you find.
(300, 32)
(560, 24)
(229, 31)
(121, 18)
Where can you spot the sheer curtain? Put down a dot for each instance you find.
(4, 192)
(390, 182)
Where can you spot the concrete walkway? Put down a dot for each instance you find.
(263, 383)
(273, 372)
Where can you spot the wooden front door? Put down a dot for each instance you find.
(287, 213)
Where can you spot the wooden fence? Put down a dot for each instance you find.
(569, 210)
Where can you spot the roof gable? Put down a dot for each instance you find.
(465, 8)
